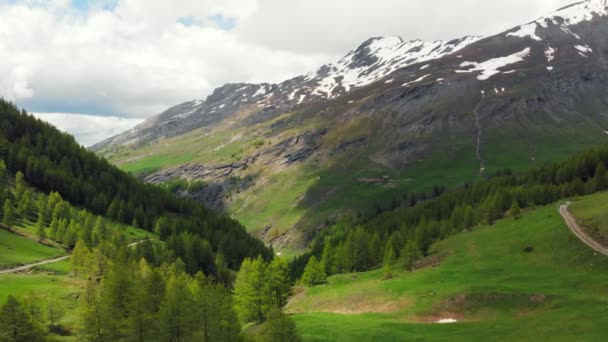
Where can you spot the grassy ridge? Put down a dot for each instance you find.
(19, 250)
(591, 212)
(484, 279)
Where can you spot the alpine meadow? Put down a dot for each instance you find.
(448, 189)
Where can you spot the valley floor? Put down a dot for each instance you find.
(523, 280)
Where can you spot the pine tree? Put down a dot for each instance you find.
(388, 261)
(80, 258)
(411, 252)
(600, 181)
(17, 325)
(8, 217)
(515, 210)
(314, 273)
(278, 285)
(278, 328)
(54, 310)
(177, 311)
(20, 186)
(25, 208)
(249, 297)
(327, 257)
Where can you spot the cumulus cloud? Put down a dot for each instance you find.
(135, 58)
(88, 129)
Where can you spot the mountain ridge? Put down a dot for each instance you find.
(511, 100)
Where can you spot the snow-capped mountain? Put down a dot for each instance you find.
(370, 62)
(390, 107)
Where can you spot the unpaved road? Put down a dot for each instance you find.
(49, 261)
(579, 232)
(27, 267)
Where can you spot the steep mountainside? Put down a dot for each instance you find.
(386, 120)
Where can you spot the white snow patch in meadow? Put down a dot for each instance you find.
(528, 30)
(550, 54)
(416, 80)
(490, 67)
(446, 321)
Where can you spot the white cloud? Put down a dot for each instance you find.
(136, 58)
(336, 26)
(89, 129)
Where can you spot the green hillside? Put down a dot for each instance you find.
(18, 250)
(524, 280)
(355, 182)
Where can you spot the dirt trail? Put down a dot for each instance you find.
(49, 261)
(579, 232)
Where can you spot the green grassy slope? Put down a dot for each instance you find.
(19, 250)
(591, 212)
(305, 194)
(484, 279)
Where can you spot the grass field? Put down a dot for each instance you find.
(18, 250)
(484, 279)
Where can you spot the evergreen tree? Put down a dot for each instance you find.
(278, 286)
(16, 325)
(80, 258)
(314, 273)
(8, 217)
(177, 311)
(600, 181)
(515, 210)
(388, 262)
(327, 257)
(278, 328)
(20, 185)
(54, 310)
(410, 253)
(250, 299)
(26, 208)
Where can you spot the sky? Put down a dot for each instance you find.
(97, 67)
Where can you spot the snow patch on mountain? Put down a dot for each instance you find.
(491, 67)
(528, 30)
(377, 58)
(416, 80)
(550, 54)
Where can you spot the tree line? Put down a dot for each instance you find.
(407, 234)
(52, 161)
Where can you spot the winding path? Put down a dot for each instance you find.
(50, 261)
(579, 232)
